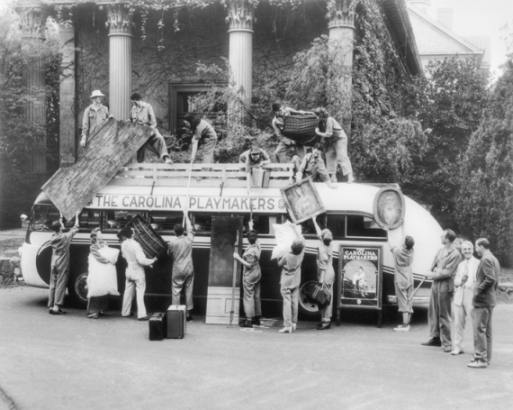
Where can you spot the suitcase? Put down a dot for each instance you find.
(176, 323)
(318, 294)
(158, 326)
(260, 178)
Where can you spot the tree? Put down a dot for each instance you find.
(450, 102)
(19, 137)
(485, 197)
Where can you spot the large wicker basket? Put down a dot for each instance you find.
(152, 243)
(301, 128)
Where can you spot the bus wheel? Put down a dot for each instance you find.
(306, 307)
(77, 288)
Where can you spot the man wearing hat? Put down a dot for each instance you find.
(94, 116)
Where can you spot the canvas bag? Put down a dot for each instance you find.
(102, 277)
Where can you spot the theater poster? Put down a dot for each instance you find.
(360, 278)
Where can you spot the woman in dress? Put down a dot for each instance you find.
(102, 278)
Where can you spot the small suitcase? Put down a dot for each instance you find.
(158, 326)
(176, 323)
(260, 178)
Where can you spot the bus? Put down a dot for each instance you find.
(159, 193)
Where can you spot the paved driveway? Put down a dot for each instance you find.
(70, 362)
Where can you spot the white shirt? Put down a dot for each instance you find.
(466, 267)
(134, 255)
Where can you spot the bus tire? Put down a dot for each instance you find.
(77, 288)
(307, 309)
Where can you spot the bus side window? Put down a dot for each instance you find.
(363, 227)
(118, 219)
(308, 227)
(165, 220)
(337, 225)
(202, 222)
(89, 218)
(40, 221)
(261, 224)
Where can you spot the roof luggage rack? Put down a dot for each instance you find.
(203, 175)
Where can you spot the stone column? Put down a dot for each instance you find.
(240, 17)
(341, 35)
(32, 25)
(67, 106)
(120, 60)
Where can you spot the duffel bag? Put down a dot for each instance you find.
(318, 293)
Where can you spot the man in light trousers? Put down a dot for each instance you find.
(464, 292)
(135, 277)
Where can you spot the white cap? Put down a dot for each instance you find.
(96, 93)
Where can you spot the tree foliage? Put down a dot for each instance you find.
(449, 103)
(20, 138)
(485, 197)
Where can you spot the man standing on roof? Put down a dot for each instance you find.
(142, 113)
(313, 166)
(94, 117)
(180, 249)
(280, 112)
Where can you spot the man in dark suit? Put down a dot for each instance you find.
(442, 273)
(485, 299)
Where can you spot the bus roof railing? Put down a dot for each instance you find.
(202, 175)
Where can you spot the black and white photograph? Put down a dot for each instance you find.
(256, 204)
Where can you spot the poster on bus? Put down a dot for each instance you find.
(360, 277)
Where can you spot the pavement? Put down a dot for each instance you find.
(71, 362)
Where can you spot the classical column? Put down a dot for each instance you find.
(120, 60)
(67, 127)
(240, 17)
(341, 35)
(32, 25)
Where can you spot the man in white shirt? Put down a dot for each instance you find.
(462, 308)
(135, 277)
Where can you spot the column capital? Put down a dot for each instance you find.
(341, 13)
(119, 20)
(241, 14)
(32, 22)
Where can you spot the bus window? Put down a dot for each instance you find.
(165, 220)
(308, 228)
(202, 222)
(261, 223)
(40, 219)
(89, 218)
(362, 227)
(337, 225)
(118, 219)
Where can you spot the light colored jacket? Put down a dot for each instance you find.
(94, 118)
(134, 255)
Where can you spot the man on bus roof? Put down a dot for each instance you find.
(254, 157)
(313, 166)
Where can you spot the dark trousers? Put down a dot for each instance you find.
(439, 312)
(97, 304)
(483, 333)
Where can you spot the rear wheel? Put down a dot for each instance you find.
(306, 307)
(77, 288)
